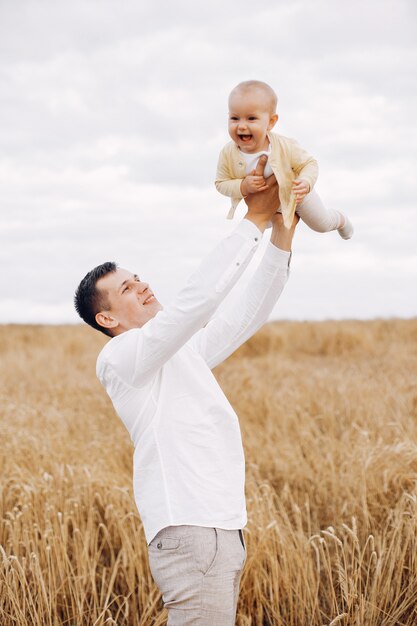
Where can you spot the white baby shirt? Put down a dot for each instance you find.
(251, 161)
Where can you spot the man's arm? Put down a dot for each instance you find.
(243, 317)
(137, 355)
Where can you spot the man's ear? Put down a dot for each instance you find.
(273, 120)
(106, 320)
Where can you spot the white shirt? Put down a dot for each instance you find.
(189, 465)
(251, 161)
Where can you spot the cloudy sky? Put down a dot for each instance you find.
(112, 115)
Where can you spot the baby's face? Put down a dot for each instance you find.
(250, 118)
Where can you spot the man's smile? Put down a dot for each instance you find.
(149, 299)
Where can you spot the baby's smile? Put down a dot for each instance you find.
(245, 137)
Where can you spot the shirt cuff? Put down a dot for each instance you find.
(278, 256)
(248, 230)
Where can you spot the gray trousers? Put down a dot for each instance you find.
(198, 572)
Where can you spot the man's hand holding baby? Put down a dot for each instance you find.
(255, 181)
(252, 183)
(262, 206)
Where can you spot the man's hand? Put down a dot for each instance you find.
(281, 236)
(300, 189)
(252, 183)
(262, 205)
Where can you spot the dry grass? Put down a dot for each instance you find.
(328, 414)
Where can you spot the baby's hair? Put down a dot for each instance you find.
(250, 85)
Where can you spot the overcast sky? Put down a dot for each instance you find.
(112, 115)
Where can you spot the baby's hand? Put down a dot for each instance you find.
(300, 189)
(252, 184)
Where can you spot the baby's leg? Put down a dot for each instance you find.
(313, 212)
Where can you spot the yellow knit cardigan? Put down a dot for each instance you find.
(288, 161)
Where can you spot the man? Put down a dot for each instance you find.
(189, 467)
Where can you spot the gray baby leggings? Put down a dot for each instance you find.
(313, 212)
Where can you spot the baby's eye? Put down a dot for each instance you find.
(252, 117)
(234, 118)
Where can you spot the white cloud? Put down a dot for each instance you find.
(23, 311)
(113, 115)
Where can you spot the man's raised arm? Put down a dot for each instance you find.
(243, 317)
(138, 354)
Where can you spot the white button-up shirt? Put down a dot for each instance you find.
(189, 465)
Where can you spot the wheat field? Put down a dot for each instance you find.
(328, 413)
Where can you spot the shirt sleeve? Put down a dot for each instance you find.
(244, 316)
(138, 354)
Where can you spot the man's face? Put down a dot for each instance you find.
(249, 120)
(130, 302)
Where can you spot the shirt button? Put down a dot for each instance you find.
(238, 263)
(256, 238)
(159, 545)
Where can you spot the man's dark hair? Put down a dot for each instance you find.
(88, 300)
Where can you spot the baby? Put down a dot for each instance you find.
(252, 115)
